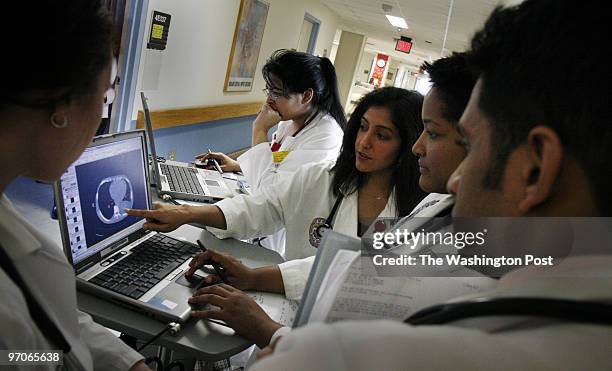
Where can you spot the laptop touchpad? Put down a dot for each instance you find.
(190, 282)
(212, 183)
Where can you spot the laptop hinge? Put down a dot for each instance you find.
(117, 246)
(85, 267)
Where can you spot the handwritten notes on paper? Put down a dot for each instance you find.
(276, 306)
(366, 296)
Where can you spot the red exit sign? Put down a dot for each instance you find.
(403, 46)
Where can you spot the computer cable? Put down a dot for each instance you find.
(159, 365)
(173, 328)
(175, 364)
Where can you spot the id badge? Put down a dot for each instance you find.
(279, 156)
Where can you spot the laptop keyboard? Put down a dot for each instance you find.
(146, 266)
(182, 179)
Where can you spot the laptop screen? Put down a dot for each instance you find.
(96, 190)
(150, 137)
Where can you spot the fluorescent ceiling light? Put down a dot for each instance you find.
(397, 21)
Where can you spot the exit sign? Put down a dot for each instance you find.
(403, 45)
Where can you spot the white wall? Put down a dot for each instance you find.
(393, 68)
(365, 65)
(335, 43)
(347, 60)
(193, 66)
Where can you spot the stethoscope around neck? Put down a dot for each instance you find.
(319, 226)
(330, 218)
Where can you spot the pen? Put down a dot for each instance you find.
(169, 198)
(215, 266)
(215, 163)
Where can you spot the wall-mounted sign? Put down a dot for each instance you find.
(404, 45)
(378, 69)
(160, 25)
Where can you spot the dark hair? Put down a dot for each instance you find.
(405, 110)
(542, 63)
(55, 50)
(454, 81)
(300, 71)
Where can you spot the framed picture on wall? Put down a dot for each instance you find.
(241, 68)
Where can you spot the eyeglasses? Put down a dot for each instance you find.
(273, 94)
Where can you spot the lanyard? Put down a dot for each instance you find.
(38, 314)
(561, 309)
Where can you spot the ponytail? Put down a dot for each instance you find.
(332, 94)
(301, 71)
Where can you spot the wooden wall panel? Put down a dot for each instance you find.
(188, 116)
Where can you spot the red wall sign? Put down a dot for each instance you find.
(380, 66)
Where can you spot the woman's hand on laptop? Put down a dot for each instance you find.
(226, 162)
(238, 310)
(163, 218)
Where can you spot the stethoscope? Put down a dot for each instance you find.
(560, 309)
(320, 225)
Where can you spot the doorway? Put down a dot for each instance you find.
(309, 33)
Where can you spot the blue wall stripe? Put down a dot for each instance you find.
(225, 136)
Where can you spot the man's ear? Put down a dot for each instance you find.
(307, 96)
(545, 156)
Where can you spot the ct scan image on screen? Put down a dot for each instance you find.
(106, 188)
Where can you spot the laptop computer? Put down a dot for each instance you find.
(113, 257)
(178, 179)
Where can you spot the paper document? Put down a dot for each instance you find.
(345, 286)
(232, 176)
(331, 284)
(279, 308)
(363, 295)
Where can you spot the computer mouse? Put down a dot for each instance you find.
(200, 164)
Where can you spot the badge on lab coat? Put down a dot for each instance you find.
(316, 230)
(279, 156)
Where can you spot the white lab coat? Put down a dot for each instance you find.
(482, 343)
(293, 203)
(320, 140)
(429, 207)
(295, 273)
(50, 278)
